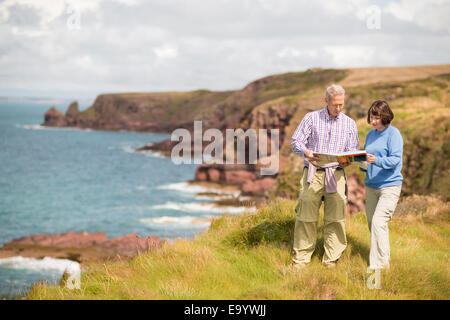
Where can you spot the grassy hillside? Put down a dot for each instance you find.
(248, 256)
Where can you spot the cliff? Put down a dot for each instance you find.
(418, 96)
(145, 112)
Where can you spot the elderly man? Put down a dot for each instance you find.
(324, 131)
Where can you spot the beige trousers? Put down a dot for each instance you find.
(307, 210)
(380, 205)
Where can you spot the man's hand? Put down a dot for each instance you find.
(311, 158)
(370, 158)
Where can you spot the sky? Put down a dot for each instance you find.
(82, 48)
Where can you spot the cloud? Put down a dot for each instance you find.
(166, 51)
(432, 14)
(159, 45)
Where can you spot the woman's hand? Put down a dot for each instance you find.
(370, 158)
(343, 161)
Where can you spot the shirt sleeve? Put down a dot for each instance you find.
(353, 139)
(301, 135)
(395, 152)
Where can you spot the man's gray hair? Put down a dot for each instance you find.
(334, 90)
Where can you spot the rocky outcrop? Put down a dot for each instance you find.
(68, 239)
(248, 177)
(54, 118)
(131, 244)
(71, 114)
(80, 246)
(262, 186)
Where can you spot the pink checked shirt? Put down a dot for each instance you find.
(319, 133)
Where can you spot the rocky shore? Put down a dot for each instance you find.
(82, 247)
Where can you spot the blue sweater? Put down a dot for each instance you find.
(387, 147)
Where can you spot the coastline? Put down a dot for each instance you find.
(84, 247)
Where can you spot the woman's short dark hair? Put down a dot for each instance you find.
(381, 109)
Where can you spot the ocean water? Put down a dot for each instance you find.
(55, 180)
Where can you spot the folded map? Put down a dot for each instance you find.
(342, 157)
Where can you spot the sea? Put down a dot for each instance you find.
(55, 180)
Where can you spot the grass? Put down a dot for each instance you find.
(247, 257)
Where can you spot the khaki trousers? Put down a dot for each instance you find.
(307, 210)
(380, 205)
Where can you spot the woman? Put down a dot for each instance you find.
(383, 183)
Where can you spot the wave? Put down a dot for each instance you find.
(153, 154)
(127, 149)
(189, 188)
(40, 127)
(130, 149)
(178, 222)
(47, 263)
(195, 207)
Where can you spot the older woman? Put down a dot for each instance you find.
(383, 183)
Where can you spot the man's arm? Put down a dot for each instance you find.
(353, 142)
(300, 139)
(301, 135)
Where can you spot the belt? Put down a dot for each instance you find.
(323, 169)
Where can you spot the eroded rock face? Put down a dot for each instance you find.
(258, 187)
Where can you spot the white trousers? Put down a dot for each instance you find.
(380, 206)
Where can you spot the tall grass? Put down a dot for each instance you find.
(248, 256)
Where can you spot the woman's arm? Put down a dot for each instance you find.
(363, 164)
(395, 151)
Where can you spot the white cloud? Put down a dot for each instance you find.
(431, 14)
(128, 45)
(166, 51)
(351, 55)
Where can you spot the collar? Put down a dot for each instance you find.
(327, 115)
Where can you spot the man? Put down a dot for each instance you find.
(324, 131)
